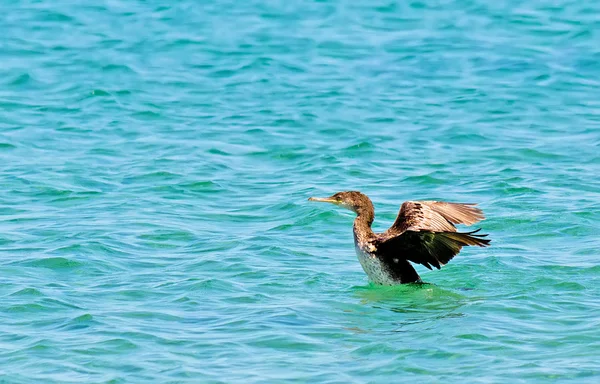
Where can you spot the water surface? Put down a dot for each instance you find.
(155, 162)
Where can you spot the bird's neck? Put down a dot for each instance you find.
(363, 221)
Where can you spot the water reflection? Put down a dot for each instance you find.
(416, 306)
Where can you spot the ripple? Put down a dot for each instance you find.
(22, 79)
(54, 263)
(109, 347)
(27, 292)
(99, 93)
(27, 308)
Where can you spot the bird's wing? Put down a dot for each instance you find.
(426, 247)
(424, 233)
(435, 216)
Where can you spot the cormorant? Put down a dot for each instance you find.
(423, 233)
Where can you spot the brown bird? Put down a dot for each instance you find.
(423, 233)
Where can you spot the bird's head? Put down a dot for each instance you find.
(352, 200)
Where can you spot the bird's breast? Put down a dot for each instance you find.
(376, 270)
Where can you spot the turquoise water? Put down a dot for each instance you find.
(156, 160)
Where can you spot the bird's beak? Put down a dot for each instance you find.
(323, 200)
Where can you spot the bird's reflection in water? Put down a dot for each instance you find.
(418, 305)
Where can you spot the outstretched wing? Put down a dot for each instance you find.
(436, 216)
(427, 248)
(424, 233)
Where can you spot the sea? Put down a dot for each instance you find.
(156, 159)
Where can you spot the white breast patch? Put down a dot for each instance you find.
(374, 268)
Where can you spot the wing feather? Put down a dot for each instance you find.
(436, 216)
(457, 213)
(429, 248)
(424, 233)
